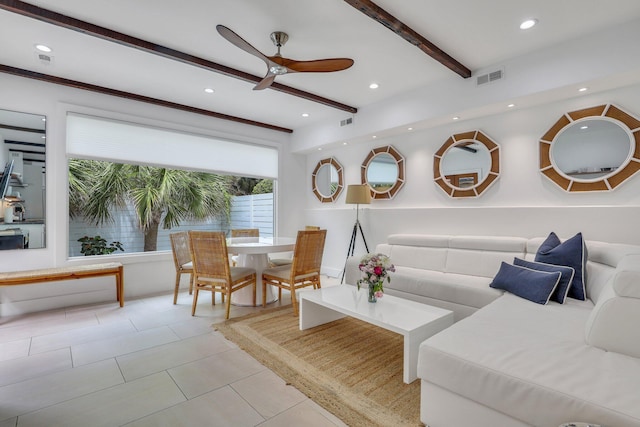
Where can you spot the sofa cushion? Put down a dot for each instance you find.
(530, 361)
(612, 325)
(472, 291)
(480, 255)
(533, 285)
(566, 276)
(572, 253)
(427, 258)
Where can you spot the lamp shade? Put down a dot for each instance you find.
(358, 194)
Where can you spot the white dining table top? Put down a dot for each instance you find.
(260, 245)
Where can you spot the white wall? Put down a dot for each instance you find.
(144, 273)
(522, 202)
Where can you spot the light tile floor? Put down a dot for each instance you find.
(149, 363)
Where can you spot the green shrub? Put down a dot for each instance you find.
(98, 246)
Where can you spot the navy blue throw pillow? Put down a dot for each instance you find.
(570, 253)
(536, 286)
(566, 276)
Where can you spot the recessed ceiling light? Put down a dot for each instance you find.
(373, 86)
(456, 118)
(43, 48)
(44, 119)
(511, 105)
(529, 23)
(305, 114)
(374, 136)
(584, 127)
(409, 128)
(583, 89)
(209, 90)
(319, 148)
(344, 143)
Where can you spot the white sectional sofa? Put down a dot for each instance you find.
(508, 361)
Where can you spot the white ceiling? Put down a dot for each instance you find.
(476, 33)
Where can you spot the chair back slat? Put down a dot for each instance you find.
(245, 232)
(209, 253)
(180, 248)
(307, 254)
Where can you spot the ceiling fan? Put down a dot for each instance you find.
(277, 64)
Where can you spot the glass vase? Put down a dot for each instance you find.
(372, 293)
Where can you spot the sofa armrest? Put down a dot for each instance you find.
(612, 325)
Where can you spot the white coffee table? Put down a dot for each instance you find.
(415, 321)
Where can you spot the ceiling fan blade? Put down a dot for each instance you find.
(265, 82)
(238, 41)
(316, 66)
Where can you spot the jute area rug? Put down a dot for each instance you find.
(351, 368)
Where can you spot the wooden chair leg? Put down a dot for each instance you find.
(294, 303)
(195, 301)
(175, 292)
(264, 292)
(228, 306)
(190, 283)
(254, 291)
(213, 297)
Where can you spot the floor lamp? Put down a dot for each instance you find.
(358, 195)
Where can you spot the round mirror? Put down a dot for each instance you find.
(591, 149)
(594, 149)
(383, 172)
(467, 164)
(327, 180)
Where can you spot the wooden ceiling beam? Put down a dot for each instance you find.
(54, 18)
(380, 15)
(132, 96)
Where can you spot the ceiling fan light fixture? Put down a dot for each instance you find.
(374, 86)
(278, 70)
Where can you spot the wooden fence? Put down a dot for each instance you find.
(254, 211)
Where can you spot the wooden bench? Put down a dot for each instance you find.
(67, 273)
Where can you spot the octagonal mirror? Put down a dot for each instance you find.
(327, 180)
(383, 172)
(594, 149)
(467, 164)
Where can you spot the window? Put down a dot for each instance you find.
(135, 181)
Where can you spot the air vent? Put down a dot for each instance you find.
(346, 121)
(489, 77)
(43, 58)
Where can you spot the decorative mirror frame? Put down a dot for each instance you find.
(608, 182)
(314, 183)
(475, 136)
(391, 192)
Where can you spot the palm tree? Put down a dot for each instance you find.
(160, 196)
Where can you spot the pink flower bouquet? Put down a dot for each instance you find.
(375, 270)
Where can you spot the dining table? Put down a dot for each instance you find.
(254, 252)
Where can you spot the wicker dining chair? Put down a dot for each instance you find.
(242, 232)
(245, 232)
(303, 271)
(212, 271)
(276, 262)
(181, 260)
